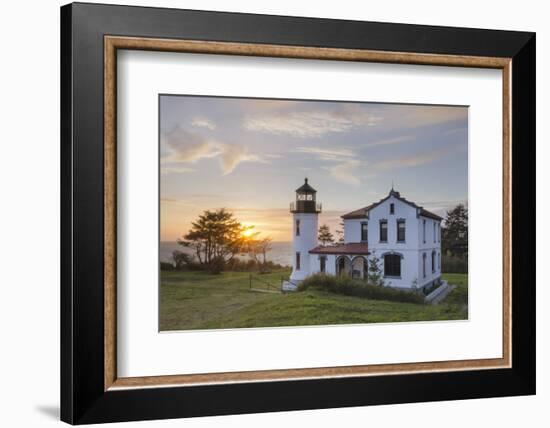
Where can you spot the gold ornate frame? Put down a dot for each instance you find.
(113, 43)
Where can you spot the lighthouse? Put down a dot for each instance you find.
(305, 224)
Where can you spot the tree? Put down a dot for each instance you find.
(216, 237)
(325, 237)
(340, 233)
(375, 275)
(260, 247)
(454, 236)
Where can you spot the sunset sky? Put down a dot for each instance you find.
(249, 155)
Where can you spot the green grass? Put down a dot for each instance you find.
(198, 300)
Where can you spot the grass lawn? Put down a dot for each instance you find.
(198, 300)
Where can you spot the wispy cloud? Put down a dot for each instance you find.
(165, 170)
(416, 116)
(390, 141)
(310, 124)
(187, 147)
(417, 159)
(203, 122)
(345, 172)
(326, 154)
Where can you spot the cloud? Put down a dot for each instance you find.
(344, 172)
(165, 170)
(414, 116)
(326, 154)
(310, 124)
(416, 160)
(186, 147)
(203, 122)
(390, 141)
(232, 155)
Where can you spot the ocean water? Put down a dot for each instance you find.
(281, 252)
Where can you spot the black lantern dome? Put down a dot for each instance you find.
(305, 200)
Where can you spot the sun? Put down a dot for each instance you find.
(247, 233)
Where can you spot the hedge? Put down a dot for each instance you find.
(358, 288)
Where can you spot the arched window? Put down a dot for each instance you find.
(392, 265)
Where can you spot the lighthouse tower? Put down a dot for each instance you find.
(305, 219)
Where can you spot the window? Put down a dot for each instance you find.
(323, 263)
(434, 231)
(439, 261)
(392, 208)
(392, 265)
(439, 232)
(297, 227)
(400, 230)
(364, 232)
(297, 261)
(433, 261)
(383, 231)
(424, 230)
(424, 265)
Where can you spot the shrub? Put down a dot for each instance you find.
(358, 288)
(184, 261)
(166, 266)
(454, 264)
(250, 265)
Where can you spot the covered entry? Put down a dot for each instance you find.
(343, 266)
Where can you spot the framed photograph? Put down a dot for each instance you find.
(266, 213)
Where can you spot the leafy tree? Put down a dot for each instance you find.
(258, 249)
(325, 237)
(454, 236)
(375, 275)
(340, 233)
(216, 237)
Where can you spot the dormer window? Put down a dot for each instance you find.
(392, 208)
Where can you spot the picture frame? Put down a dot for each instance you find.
(91, 391)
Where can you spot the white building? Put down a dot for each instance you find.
(405, 238)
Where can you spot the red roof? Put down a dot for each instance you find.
(362, 212)
(351, 248)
